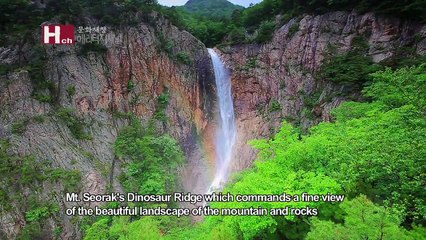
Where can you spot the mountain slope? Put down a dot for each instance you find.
(142, 69)
(211, 8)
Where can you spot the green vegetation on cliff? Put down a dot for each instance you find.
(30, 186)
(354, 66)
(248, 25)
(151, 160)
(268, 9)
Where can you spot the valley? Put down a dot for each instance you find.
(282, 98)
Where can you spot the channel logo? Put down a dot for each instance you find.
(57, 34)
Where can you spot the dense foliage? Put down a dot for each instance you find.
(24, 180)
(150, 165)
(268, 9)
(354, 66)
(248, 25)
(211, 8)
(211, 31)
(375, 149)
(75, 124)
(373, 154)
(144, 229)
(152, 160)
(364, 220)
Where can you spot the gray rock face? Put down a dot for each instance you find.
(101, 80)
(281, 73)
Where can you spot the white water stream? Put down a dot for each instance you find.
(226, 130)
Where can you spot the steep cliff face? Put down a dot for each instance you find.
(278, 81)
(97, 90)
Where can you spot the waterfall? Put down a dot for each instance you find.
(226, 130)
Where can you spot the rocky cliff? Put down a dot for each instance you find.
(279, 80)
(67, 112)
(89, 99)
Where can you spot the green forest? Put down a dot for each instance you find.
(373, 151)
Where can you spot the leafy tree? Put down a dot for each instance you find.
(236, 17)
(152, 160)
(121, 228)
(237, 35)
(354, 66)
(406, 86)
(145, 228)
(258, 13)
(75, 124)
(265, 32)
(363, 220)
(98, 231)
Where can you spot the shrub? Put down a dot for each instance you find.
(163, 101)
(293, 29)
(265, 32)
(74, 124)
(166, 45)
(121, 115)
(44, 98)
(31, 231)
(71, 90)
(130, 85)
(39, 118)
(25, 172)
(251, 63)
(44, 89)
(351, 67)
(405, 56)
(20, 127)
(73, 178)
(173, 16)
(275, 106)
(184, 58)
(363, 220)
(6, 68)
(237, 36)
(312, 99)
(41, 213)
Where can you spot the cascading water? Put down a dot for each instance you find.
(226, 131)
